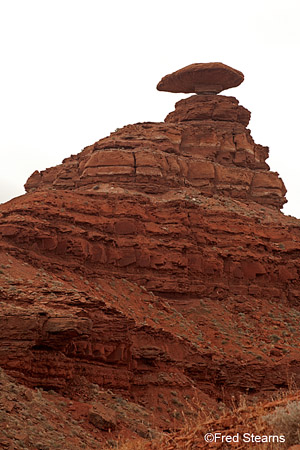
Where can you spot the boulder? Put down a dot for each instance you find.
(201, 78)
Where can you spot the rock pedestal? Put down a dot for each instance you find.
(156, 265)
(203, 144)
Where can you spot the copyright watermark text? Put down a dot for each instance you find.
(243, 437)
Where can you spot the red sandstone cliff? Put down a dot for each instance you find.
(154, 264)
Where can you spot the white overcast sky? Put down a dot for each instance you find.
(72, 71)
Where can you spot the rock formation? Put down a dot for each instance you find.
(155, 264)
(205, 78)
(203, 144)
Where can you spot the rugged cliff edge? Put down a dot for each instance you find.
(155, 265)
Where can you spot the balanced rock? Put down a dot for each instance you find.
(201, 78)
(156, 265)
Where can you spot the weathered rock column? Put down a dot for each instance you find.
(214, 129)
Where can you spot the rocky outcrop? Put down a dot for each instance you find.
(209, 108)
(148, 295)
(203, 144)
(154, 264)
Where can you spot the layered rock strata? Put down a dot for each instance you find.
(204, 144)
(155, 261)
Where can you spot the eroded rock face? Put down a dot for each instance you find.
(204, 144)
(209, 107)
(79, 309)
(154, 264)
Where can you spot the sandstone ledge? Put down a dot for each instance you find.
(215, 156)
